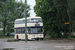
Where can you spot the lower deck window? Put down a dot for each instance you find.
(30, 30)
(37, 30)
(20, 30)
(34, 31)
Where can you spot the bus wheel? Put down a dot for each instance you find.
(37, 39)
(41, 38)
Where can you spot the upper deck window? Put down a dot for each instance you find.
(36, 20)
(21, 21)
(28, 21)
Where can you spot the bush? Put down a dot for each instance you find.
(12, 40)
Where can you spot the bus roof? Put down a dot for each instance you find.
(27, 18)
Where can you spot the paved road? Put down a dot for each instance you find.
(38, 45)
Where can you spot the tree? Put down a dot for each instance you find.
(55, 11)
(21, 9)
(62, 15)
(19, 13)
(73, 14)
(46, 10)
(9, 12)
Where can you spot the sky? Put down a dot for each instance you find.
(32, 4)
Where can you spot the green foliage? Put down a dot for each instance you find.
(73, 14)
(4, 36)
(1, 32)
(54, 14)
(9, 11)
(12, 40)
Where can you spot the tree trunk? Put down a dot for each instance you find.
(4, 29)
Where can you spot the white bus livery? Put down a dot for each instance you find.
(34, 28)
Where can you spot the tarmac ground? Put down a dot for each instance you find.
(46, 44)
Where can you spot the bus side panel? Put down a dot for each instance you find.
(37, 35)
(30, 36)
(34, 36)
(20, 36)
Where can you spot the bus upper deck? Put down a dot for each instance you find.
(31, 21)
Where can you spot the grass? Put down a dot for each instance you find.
(47, 37)
(69, 38)
(61, 38)
(4, 36)
(12, 40)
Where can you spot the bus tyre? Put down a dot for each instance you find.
(37, 39)
(41, 38)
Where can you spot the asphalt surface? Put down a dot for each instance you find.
(46, 44)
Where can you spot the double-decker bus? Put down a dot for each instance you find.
(34, 28)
